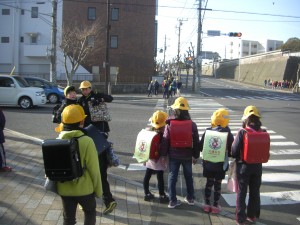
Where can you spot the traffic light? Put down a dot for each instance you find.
(235, 34)
(189, 60)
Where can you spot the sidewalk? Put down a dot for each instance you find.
(23, 201)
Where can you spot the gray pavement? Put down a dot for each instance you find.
(23, 199)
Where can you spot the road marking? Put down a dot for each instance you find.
(275, 177)
(287, 143)
(282, 162)
(269, 198)
(136, 167)
(285, 152)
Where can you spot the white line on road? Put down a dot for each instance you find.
(269, 198)
(285, 152)
(276, 177)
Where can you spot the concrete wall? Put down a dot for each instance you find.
(255, 69)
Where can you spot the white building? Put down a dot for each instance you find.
(239, 48)
(25, 34)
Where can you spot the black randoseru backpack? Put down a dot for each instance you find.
(62, 159)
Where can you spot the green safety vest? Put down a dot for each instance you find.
(214, 147)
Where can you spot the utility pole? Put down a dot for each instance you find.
(107, 65)
(178, 53)
(194, 61)
(165, 48)
(199, 46)
(53, 42)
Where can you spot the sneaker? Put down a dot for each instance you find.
(111, 206)
(189, 201)
(172, 205)
(207, 208)
(215, 209)
(6, 169)
(163, 199)
(251, 219)
(149, 197)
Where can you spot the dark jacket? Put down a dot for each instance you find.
(211, 166)
(2, 125)
(180, 153)
(95, 98)
(63, 105)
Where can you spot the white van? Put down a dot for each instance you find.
(14, 90)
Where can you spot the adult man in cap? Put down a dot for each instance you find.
(88, 99)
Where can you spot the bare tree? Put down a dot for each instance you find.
(77, 44)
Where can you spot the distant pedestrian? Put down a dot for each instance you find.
(156, 166)
(248, 175)
(150, 88)
(179, 85)
(3, 166)
(166, 89)
(156, 87)
(215, 144)
(181, 144)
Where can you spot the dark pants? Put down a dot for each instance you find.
(210, 182)
(160, 180)
(88, 203)
(103, 163)
(174, 165)
(2, 156)
(248, 175)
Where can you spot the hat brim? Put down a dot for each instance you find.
(250, 114)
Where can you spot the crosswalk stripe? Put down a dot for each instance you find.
(285, 152)
(276, 177)
(269, 198)
(282, 162)
(287, 143)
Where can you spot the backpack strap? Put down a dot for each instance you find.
(76, 138)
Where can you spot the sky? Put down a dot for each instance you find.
(255, 19)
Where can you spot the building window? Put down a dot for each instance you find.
(114, 41)
(22, 39)
(114, 14)
(91, 13)
(5, 12)
(4, 39)
(33, 39)
(91, 41)
(22, 12)
(34, 12)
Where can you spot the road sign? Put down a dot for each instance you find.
(213, 33)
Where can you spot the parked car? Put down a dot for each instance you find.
(14, 90)
(54, 93)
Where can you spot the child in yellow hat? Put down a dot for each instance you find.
(158, 122)
(215, 144)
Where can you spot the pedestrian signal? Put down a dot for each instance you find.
(235, 34)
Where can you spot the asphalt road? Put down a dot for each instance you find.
(130, 113)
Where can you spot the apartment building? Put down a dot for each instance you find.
(240, 48)
(132, 37)
(26, 37)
